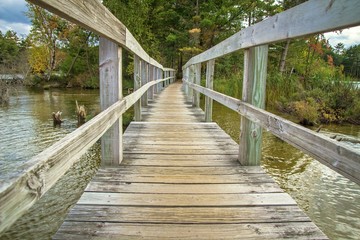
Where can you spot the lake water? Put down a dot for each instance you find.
(26, 128)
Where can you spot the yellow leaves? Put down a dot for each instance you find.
(39, 59)
(195, 31)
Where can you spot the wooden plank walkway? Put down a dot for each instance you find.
(180, 179)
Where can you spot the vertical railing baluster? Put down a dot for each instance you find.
(110, 66)
(144, 81)
(191, 80)
(210, 67)
(137, 85)
(254, 86)
(151, 78)
(197, 80)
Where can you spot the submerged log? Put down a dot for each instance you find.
(81, 113)
(57, 118)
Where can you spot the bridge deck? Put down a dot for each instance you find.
(180, 179)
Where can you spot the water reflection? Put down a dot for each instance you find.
(26, 128)
(329, 199)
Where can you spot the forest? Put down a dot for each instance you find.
(307, 77)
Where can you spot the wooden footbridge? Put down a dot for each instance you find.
(180, 178)
(174, 173)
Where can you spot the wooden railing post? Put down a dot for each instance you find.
(159, 77)
(166, 76)
(137, 85)
(151, 77)
(197, 79)
(210, 67)
(110, 65)
(254, 86)
(191, 80)
(186, 78)
(144, 79)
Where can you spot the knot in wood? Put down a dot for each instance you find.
(35, 184)
(254, 133)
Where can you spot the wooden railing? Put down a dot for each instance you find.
(312, 17)
(40, 173)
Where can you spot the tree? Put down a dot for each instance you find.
(46, 32)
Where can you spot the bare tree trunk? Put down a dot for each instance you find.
(283, 57)
(77, 55)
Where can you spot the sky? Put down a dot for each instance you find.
(12, 17)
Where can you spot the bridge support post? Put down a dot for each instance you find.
(137, 85)
(191, 80)
(210, 67)
(110, 65)
(160, 85)
(156, 78)
(144, 80)
(186, 78)
(197, 79)
(151, 78)
(254, 86)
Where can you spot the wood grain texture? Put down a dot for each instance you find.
(110, 59)
(316, 16)
(329, 152)
(137, 85)
(144, 80)
(254, 90)
(197, 80)
(180, 178)
(210, 68)
(108, 230)
(188, 215)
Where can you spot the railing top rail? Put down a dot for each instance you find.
(316, 16)
(329, 152)
(94, 16)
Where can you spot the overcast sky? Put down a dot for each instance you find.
(12, 17)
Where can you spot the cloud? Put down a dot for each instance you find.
(349, 37)
(20, 28)
(13, 11)
(12, 17)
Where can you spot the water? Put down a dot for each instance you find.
(329, 199)
(26, 128)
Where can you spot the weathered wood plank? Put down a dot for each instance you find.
(197, 171)
(197, 80)
(159, 188)
(185, 157)
(110, 59)
(189, 200)
(254, 90)
(100, 230)
(187, 179)
(164, 160)
(144, 80)
(137, 85)
(329, 152)
(210, 68)
(187, 215)
(90, 14)
(311, 17)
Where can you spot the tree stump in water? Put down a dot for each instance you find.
(57, 118)
(81, 114)
(4, 93)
